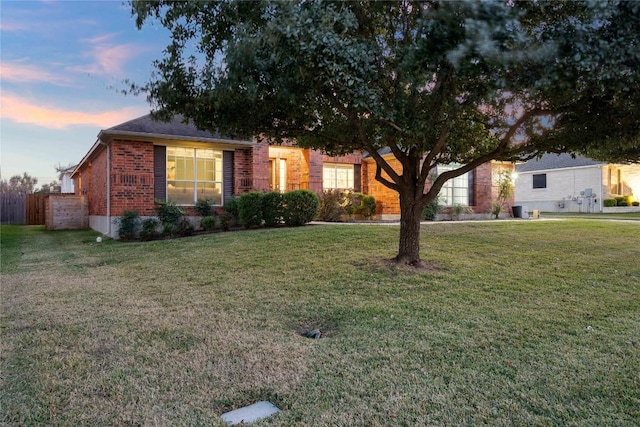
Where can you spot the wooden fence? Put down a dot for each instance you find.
(13, 208)
(19, 209)
(35, 214)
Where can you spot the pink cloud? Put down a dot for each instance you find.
(23, 111)
(108, 58)
(12, 26)
(21, 73)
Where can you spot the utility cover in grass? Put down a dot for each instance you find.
(250, 413)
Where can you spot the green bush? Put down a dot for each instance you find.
(184, 228)
(203, 207)
(368, 206)
(609, 203)
(272, 208)
(128, 225)
(250, 209)
(226, 221)
(635, 203)
(300, 207)
(149, 229)
(169, 212)
(331, 208)
(208, 223)
(352, 203)
(431, 210)
(231, 207)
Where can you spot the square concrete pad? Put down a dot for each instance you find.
(250, 413)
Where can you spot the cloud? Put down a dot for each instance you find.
(22, 111)
(108, 58)
(21, 73)
(12, 26)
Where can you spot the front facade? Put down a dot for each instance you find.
(136, 163)
(562, 183)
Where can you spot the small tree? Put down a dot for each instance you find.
(505, 190)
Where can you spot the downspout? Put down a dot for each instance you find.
(106, 145)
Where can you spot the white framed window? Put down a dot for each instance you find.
(456, 190)
(337, 176)
(194, 173)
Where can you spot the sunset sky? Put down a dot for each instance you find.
(61, 65)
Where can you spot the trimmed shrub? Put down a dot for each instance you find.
(635, 203)
(203, 207)
(431, 210)
(300, 207)
(184, 228)
(169, 212)
(208, 223)
(352, 203)
(231, 206)
(128, 225)
(609, 203)
(226, 221)
(250, 209)
(149, 229)
(272, 208)
(368, 206)
(331, 208)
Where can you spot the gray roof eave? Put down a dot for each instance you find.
(108, 135)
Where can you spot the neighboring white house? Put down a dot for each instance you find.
(66, 183)
(561, 183)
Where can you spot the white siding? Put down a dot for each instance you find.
(563, 192)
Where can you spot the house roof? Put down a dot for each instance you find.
(146, 126)
(556, 161)
(147, 129)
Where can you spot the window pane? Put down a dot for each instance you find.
(456, 190)
(337, 176)
(211, 191)
(540, 181)
(180, 192)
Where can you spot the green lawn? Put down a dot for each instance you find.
(532, 323)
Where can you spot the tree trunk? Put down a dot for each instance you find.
(410, 216)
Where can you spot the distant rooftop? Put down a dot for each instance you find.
(556, 161)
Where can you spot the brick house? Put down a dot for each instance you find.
(137, 162)
(476, 189)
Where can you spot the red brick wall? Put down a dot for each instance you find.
(96, 184)
(260, 167)
(314, 160)
(353, 158)
(132, 177)
(386, 198)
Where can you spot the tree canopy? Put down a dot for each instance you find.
(437, 82)
(24, 183)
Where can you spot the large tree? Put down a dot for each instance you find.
(436, 82)
(24, 183)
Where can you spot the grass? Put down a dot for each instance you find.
(635, 216)
(522, 323)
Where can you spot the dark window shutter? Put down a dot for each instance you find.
(227, 174)
(472, 194)
(160, 172)
(357, 178)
